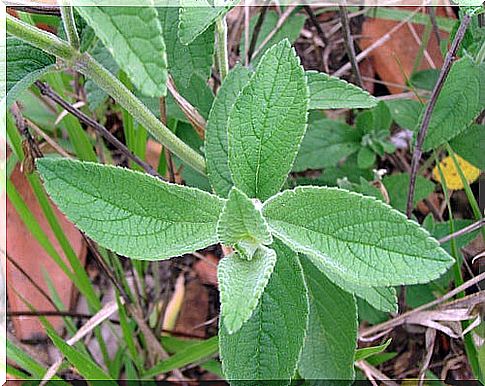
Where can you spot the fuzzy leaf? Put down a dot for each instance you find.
(134, 37)
(196, 20)
(216, 130)
(329, 92)
(460, 101)
(470, 144)
(267, 123)
(359, 238)
(241, 284)
(331, 338)
(278, 326)
(25, 64)
(326, 142)
(186, 60)
(405, 112)
(132, 213)
(242, 222)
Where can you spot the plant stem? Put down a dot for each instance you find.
(70, 26)
(85, 64)
(418, 151)
(221, 49)
(48, 92)
(349, 45)
(41, 39)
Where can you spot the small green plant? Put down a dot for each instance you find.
(290, 248)
(299, 257)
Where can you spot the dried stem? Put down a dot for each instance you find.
(256, 31)
(49, 93)
(349, 45)
(450, 56)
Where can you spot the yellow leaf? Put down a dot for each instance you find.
(452, 178)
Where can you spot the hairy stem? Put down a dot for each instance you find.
(221, 49)
(85, 64)
(418, 151)
(70, 26)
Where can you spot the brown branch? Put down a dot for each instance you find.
(470, 228)
(418, 151)
(316, 24)
(194, 117)
(37, 10)
(349, 45)
(256, 31)
(49, 93)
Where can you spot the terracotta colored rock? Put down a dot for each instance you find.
(23, 248)
(394, 60)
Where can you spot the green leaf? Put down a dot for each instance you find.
(290, 30)
(186, 60)
(132, 213)
(365, 158)
(134, 37)
(325, 143)
(196, 20)
(269, 344)
(192, 354)
(460, 101)
(367, 352)
(267, 123)
(329, 92)
(85, 365)
(359, 238)
(241, 284)
(216, 130)
(470, 144)
(397, 186)
(241, 222)
(405, 112)
(425, 79)
(25, 65)
(331, 338)
(381, 298)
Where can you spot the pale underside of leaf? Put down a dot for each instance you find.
(241, 284)
(241, 221)
(267, 123)
(134, 37)
(268, 346)
(216, 130)
(331, 338)
(362, 240)
(132, 213)
(329, 92)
